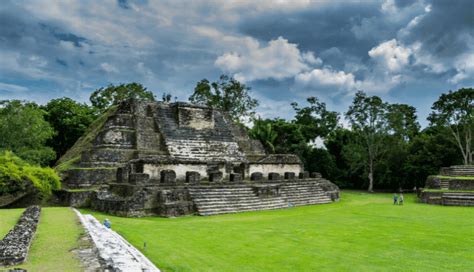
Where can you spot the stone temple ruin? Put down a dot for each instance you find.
(454, 186)
(173, 159)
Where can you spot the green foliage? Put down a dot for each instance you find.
(24, 130)
(70, 120)
(315, 119)
(262, 130)
(361, 232)
(103, 98)
(226, 94)
(455, 110)
(16, 175)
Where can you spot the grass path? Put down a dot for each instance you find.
(8, 219)
(57, 234)
(363, 232)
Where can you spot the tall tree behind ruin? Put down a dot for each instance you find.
(367, 116)
(103, 98)
(226, 94)
(456, 111)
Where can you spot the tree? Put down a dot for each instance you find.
(402, 121)
(315, 119)
(367, 116)
(70, 120)
(456, 111)
(24, 131)
(103, 98)
(226, 94)
(263, 131)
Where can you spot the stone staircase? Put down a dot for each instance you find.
(459, 170)
(231, 199)
(458, 199)
(186, 143)
(444, 184)
(221, 199)
(304, 193)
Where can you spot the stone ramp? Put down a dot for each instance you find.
(213, 200)
(115, 251)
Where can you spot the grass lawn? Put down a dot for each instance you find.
(8, 218)
(362, 232)
(57, 234)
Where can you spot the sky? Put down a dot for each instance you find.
(404, 51)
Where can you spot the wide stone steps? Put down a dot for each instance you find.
(444, 184)
(458, 199)
(220, 199)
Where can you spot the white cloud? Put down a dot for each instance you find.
(327, 77)
(109, 68)
(278, 60)
(464, 68)
(391, 54)
(12, 87)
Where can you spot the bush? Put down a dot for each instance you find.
(16, 175)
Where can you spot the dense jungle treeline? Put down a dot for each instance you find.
(384, 148)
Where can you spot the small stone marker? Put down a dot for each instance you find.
(168, 176)
(256, 176)
(304, 175)
(273, 176)
(290, 175)
(193, 177)
(215, 177)
(235, 177)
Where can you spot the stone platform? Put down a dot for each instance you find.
(453, 187)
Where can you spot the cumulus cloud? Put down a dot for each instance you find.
(464, 68)
(327, 77)
(391, 54)
(278, 60)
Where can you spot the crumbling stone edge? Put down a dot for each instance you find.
(15, 245)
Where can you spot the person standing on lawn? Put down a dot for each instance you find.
(395, 199)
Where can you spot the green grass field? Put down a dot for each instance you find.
(363, 232)
(56, 236)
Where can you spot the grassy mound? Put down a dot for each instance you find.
(73, 155)
(363, 232)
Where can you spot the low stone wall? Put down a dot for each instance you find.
(14, 247)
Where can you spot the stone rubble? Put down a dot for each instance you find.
(117, 254)
(14, 247)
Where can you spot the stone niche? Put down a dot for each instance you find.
(195, 117)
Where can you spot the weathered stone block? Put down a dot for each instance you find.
(235, 177)
(193, 177)
(138, 178)
(304, 175)
(273, 176)
(290, 175)
(215, 177)
(15, 245)
(256, 176)
(315, 175)
(168, 176)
